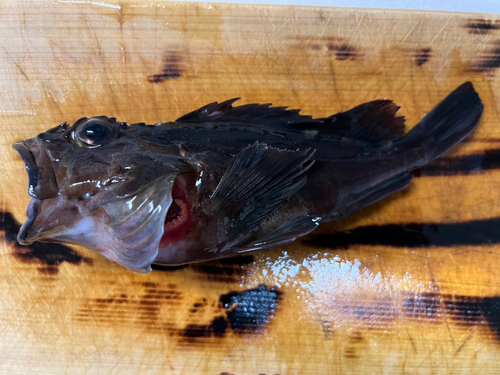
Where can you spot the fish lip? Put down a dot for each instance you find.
(30, 164)
(23, 237)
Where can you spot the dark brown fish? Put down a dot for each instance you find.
(224, 180)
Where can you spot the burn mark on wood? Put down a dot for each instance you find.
(248, 311)
(481, 26)
(224, 270)
(172, 69)
(158, 267)
(143, 309)
(237, 261)
(463, 312)
(469, 233)
(343, 51)
(489, 60)
(355, 339)
(214, 271)
(217, 328)
(47, 255)
(339, 48)
(490, 310)
(251, 310)
(474, 163)
(422, 306)
(422, 55)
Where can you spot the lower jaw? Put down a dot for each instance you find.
(32, 212)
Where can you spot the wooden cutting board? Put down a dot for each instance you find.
(410, 285)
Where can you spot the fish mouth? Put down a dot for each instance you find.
(30, 164)
(42, 185)
(23, 237)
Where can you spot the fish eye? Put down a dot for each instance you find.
(93, 132)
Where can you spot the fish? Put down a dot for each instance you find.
(224, 180)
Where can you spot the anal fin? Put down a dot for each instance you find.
(373, 194)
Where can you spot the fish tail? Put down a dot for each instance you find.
(446, 125)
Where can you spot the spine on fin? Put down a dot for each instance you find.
(446, 125)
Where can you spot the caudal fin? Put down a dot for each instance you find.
(447, 124)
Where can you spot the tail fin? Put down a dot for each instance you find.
(447, 124)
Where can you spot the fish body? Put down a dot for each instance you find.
(224, 180)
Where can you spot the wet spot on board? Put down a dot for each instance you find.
(48, 256)
(462, 165)
(172, 69)
(472, 233)
(251, 310)
(422, 55)
(488, 60)
(481, 26)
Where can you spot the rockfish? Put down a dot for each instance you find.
(224, 180)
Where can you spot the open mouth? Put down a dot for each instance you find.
(30, 163)
(179, 221)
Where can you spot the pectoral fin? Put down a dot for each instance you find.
(286, 233)
(257, 181)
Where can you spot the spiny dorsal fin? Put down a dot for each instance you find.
(371, 122)
(374, 121)
(262, 114)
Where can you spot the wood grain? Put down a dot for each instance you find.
(410, 285)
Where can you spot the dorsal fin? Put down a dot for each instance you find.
(262, 114)
(374, 121)
(371, 122)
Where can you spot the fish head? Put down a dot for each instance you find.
(98, 184)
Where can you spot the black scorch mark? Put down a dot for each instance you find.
(172, 69)
(421, 56)
(488, 60)
(478, 232)
(48, 255)
(463, 312)
(461, 165)
(217, 328)
(340, 48)
(343, 51)
(247, 311)
(252, 309)
(226, 270)
(481, 26)
(159, 267)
